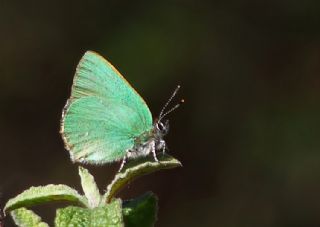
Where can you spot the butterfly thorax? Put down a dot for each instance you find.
(143, 138)
(150, 141)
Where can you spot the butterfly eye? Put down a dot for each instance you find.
(160, 126)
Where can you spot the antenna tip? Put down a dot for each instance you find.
(178, 86)
(182, 101)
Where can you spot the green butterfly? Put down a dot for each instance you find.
(106, 120)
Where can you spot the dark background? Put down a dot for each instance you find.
(248, 134)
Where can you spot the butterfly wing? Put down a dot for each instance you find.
(104, 113)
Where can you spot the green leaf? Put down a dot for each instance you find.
(89, 187)
(27, 218)
(141, 212)
(135, 169)
(107, 216)
(42, 194)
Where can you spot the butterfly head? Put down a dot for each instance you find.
(162, 128)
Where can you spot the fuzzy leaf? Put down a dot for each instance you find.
(107, 216)
(26, 218)
(141, 212)
(135, 169)
(89, 187)
(42, 194)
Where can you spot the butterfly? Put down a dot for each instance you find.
(106, 120)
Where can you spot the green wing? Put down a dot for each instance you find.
(104, 113)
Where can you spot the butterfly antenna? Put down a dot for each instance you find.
(172, 109)
(165, 106)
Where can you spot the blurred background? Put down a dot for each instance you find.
(248, 134)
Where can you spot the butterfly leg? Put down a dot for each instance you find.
(153, 150)
(163, 146)
(124, 160)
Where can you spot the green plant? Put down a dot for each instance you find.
(92, 208)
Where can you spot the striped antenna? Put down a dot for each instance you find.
(162, 114)
(172, 109)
